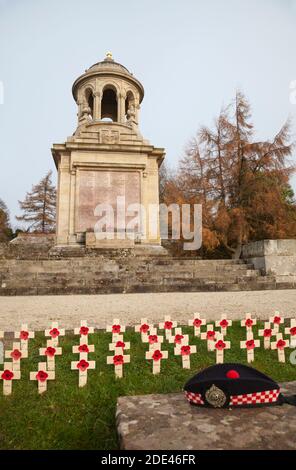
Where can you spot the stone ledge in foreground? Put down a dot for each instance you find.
(168, 422)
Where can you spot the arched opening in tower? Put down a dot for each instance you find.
(109, 105)
(90, 101)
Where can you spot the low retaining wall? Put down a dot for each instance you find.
(277, 257)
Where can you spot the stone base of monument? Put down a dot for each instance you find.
(169, 422)
(91, 241)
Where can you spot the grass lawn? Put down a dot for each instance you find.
(67, 417)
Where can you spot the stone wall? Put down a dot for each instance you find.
(277, 257)
(27, 246)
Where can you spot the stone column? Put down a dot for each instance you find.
(72, 236)
(63, 200)
(121, 107)
(97, 105)
(137, 109)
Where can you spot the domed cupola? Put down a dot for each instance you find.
(108, 92)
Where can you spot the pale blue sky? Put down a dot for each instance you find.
(190, 55)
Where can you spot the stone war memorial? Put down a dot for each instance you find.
(106, 161)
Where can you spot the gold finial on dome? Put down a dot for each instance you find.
(109, 55)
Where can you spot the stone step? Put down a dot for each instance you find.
(137, 288)
(97, 274)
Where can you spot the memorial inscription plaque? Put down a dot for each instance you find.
(104, 187)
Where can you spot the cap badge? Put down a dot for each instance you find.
(215, 397)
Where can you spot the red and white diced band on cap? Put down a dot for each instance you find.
(269, 396)
(194, 398)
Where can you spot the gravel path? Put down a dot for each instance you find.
(99, 310)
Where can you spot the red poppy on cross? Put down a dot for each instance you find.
(124, 345)
(83, 365)
(220, 346)
(24, 335)
(42, 376)
(152, 337)
(168, 325)
(54, 333)
(266, 333)
(210, 336)
(84, 330)
(143, 328)
(197, 323)
(248, 322)
(280, 344)
(179, 337)
(156, 355)
(83, 348)
(50, 352)
(291, 331)
(185, 351)
(276, 320)
(16, 355)
(116, 328)
(250, 344)
(223, 323)
(118, 360)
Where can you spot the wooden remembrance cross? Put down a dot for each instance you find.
(197, 322)
(116, 328)
(280, 344)
(83, 365)
(143, 328)
(50, 352)
(267, 333)
(292, 332)
(185, 351)
(118, 360)
(220, 345)
(276, 320)
(120, 343)
(249, 322)
(83, 348)
(153, 338)
(84, 331)
(42, 376)
(223, 323)
(16, 355)
(168, 326)
(156, 355)
(179, 338)
(54, 333)
(250, 344)
(24, 335)
(210, 337)
(8, 375)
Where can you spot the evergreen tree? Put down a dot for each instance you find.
(39, 206)
(5, 229)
